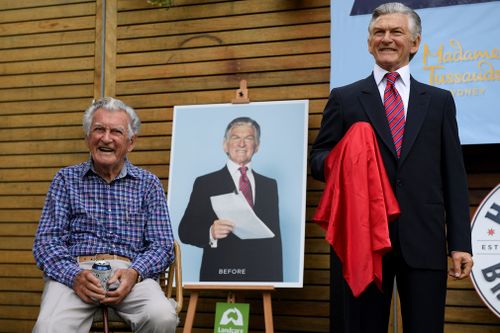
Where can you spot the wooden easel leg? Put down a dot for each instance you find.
(193, 302)
(268, 312)
(231, 297)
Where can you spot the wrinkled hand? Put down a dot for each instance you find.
(221, 229)
(88, 287)
(461, 265)
(127, 278)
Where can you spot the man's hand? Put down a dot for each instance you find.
(127, 278)
(221, 229)
(462, 265)
(88, 287)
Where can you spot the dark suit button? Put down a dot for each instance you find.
(399, 182)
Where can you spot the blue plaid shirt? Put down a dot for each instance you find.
(84, 215)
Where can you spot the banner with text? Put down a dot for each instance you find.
(459, 52)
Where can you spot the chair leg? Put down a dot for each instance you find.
(105, 318)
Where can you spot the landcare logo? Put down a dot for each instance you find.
(231, 318)
(486, 250)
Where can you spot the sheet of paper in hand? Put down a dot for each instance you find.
(234, 207)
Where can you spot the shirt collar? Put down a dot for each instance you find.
(234, 167)
(127, 169)
(404, 74)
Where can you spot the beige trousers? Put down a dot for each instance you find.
(145, 309)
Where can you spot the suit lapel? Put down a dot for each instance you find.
(374, 109)
(418, 106)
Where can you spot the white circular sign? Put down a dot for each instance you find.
(486, 250)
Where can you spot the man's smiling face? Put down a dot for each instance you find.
(109, 141)
(241, 144)
(391, 42)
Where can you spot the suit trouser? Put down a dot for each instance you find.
(422, 294)
(145, 309)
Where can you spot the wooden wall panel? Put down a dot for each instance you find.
(47, 50)
(193, 53)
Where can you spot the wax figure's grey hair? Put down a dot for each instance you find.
(112, 105)
(243, 121)
(414, 22)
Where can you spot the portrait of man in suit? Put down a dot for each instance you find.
(417, 134)
(226, 257)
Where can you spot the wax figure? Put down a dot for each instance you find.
(105, 208)
(419, 144)
(225, 256)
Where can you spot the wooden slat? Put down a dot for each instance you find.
(21, 28)
(14, 4)
(46, 66)
(23, 94)
(17, 61)
(300, 46)
(11, 325)
(225, 66)
(44, 80)
(266, 79)
(19, 312)
(284, 18)
(468, 328)
(124, 5)
(205, 11)
(13, 228)
(20, 298)
(218, 38)
(16, 243)
(470, 315)
(21, 271)
(46, 39)
(16, 257)
(28, 14)
(223, 96)
(68, 103)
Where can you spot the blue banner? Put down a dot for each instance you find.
(459, 52)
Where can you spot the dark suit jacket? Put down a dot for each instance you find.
(261, 259)
(429, 179)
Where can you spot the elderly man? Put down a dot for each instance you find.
(225, 256)
(105, 208)
(418, 140)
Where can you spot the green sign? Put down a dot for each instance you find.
(231, 318)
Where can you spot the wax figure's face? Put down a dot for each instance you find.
(108, 140)
(241, 144)
(390, 41)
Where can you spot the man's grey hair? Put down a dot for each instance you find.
(112, 105)
(414, 22)
(243, 121)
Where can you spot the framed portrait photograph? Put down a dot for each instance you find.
(236, 192)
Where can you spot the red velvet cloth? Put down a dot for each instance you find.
(356, 207)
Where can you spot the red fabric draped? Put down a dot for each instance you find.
(356, 207)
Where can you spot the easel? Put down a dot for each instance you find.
(231, 298)
(241, 98)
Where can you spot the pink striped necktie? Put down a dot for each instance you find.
(245, 186)
(394, 110)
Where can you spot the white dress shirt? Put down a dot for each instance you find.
(402, 84)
